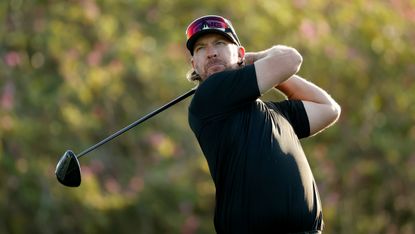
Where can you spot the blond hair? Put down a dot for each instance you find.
(193, 77)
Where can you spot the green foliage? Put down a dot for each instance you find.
(73, 72)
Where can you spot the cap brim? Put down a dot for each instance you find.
(191, 42)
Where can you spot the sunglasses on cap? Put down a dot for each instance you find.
(212, 24)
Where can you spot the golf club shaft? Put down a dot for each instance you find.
(137, 122)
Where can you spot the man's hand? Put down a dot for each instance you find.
(250, 58)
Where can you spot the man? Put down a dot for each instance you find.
(263, 181)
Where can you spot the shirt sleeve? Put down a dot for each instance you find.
(296, 115)
(225, 92)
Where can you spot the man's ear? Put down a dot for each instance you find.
(193, 65)
(241, 54)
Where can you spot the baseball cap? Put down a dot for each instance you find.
(210, 24)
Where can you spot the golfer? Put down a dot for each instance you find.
(263, 181)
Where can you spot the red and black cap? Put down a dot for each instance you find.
(210, 24)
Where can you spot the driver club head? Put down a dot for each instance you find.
(68, 170)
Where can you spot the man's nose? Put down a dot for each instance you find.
(211, 51)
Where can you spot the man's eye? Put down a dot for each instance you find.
(220, 43)
(198, 48)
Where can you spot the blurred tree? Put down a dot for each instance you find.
(73, 72)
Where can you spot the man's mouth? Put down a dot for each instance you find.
(215, 65)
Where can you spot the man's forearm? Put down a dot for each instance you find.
(298, 88)
(322, 110)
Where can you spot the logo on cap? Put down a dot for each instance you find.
(211, 25)
(205, 26)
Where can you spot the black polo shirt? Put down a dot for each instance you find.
(263, 181)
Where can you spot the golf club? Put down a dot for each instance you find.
(68, 169)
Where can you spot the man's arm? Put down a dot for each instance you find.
(322, 110)
(274, 66)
